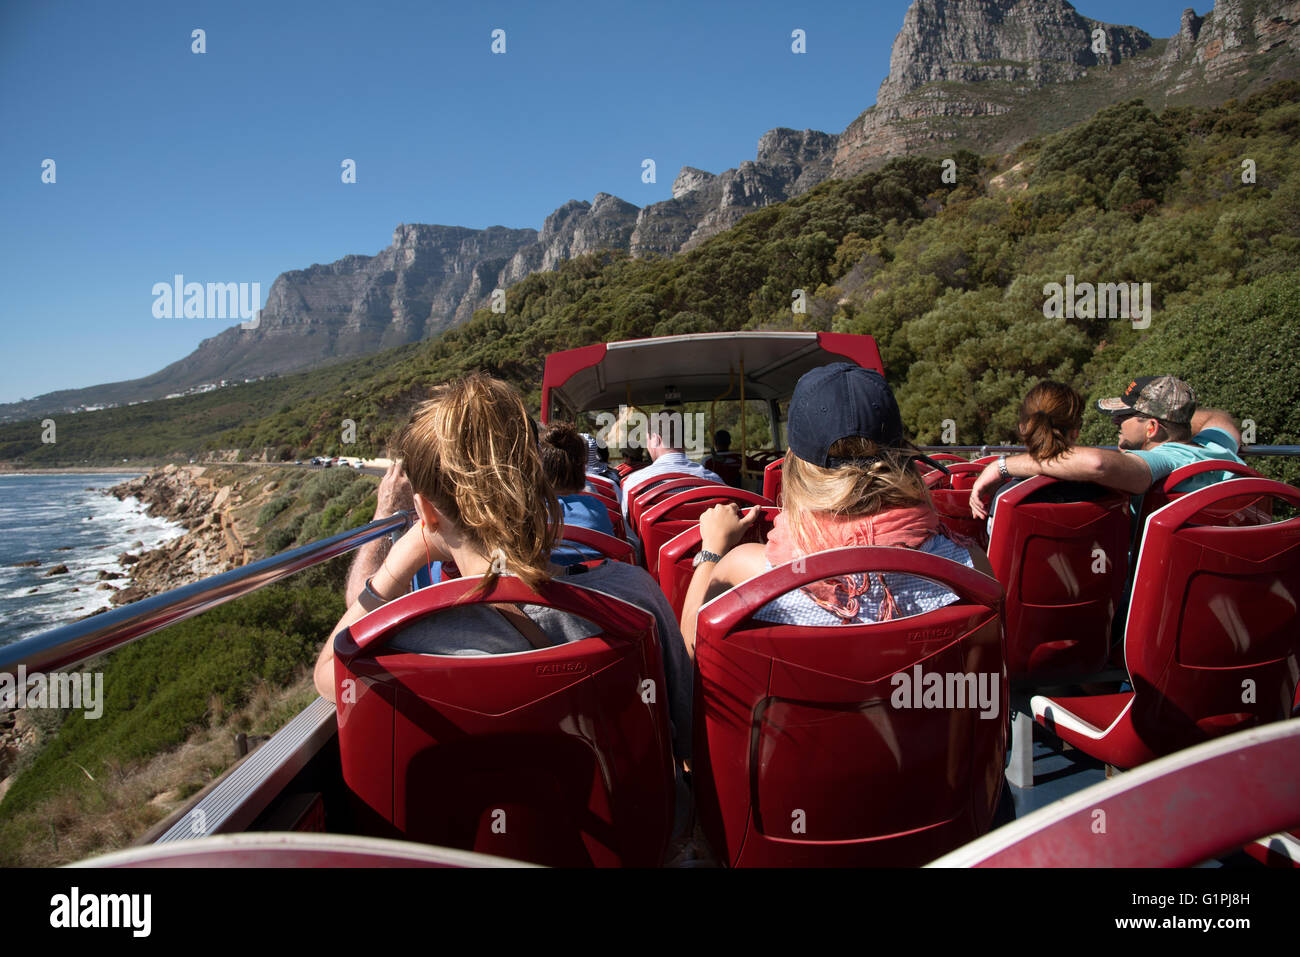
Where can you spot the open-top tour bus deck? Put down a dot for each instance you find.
(979, 734)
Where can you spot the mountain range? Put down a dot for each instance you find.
(983, 75)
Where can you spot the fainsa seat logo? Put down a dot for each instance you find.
(562, 668)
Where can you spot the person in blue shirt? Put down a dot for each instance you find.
(1160, 429)
(564, 462)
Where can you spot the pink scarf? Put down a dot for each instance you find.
(903, 527)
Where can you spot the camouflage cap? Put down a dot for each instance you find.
(1161, 397)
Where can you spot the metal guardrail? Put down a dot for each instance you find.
(71, 644)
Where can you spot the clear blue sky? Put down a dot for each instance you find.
(225, 166)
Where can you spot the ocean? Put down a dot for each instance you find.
(65, 519)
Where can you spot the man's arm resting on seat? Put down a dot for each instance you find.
(1128, 473)
(1216, 419)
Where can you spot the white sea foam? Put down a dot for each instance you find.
(96, 528)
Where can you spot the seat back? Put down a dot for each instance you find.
(772, 480)
(1064, 566)
(762, 458)
(612, 510)
(1212, 642)
(675, 556)
(1163, 493)
(946, 458)
(615, 549)
(726, 465)
(816, 746)
(600, 485)
(553, 756)
(951, 496)
(673, 514)
(661, 485)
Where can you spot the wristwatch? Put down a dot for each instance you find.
(369, 599)
(1002, 468)
(705, 556)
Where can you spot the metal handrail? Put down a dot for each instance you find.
(74, 643)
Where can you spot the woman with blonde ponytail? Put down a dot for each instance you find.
(484, 505)
(849, 479)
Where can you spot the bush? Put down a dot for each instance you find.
(1237, 351)
(271, 509)
(325, 485)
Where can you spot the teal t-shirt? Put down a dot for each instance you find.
(1168, 456)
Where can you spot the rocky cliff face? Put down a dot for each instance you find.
(434, 277)
(788, 163)
(1229, 41)
(949, 54)
(989, 74)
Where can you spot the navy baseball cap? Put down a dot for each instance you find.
(840, 401)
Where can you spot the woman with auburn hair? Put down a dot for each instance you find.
(848, 480)
(484, 504)
(1051, 416)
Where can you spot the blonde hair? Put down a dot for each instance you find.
(471, 450)
(885, 479)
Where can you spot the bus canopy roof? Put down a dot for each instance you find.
(698, 368)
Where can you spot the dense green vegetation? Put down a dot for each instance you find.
(949, 278)
(157, 692)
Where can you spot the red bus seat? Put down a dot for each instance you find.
(1178, 811)
(676, 554)
(601, 486)
(615, 549)
(552, 756)
(951, 496)
(761, 459)
(945, 457)
(1162, 494)
(642, 496)
(1212, 642)
(726, 465)
(665, 518)
(802, 757)
(1064, 566)
(612, 510)
(772, 480)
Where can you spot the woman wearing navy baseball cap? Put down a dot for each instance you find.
(849, 480)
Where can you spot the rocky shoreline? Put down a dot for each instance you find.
(212, 543)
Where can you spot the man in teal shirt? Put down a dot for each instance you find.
(1160, 429)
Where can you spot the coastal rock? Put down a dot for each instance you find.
(57, 570)
(105, 576)
(129, 594)
(27, 564)
(126, 558)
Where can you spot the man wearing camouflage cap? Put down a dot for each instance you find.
(1160, 429)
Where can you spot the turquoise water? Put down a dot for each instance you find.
(65, 519)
